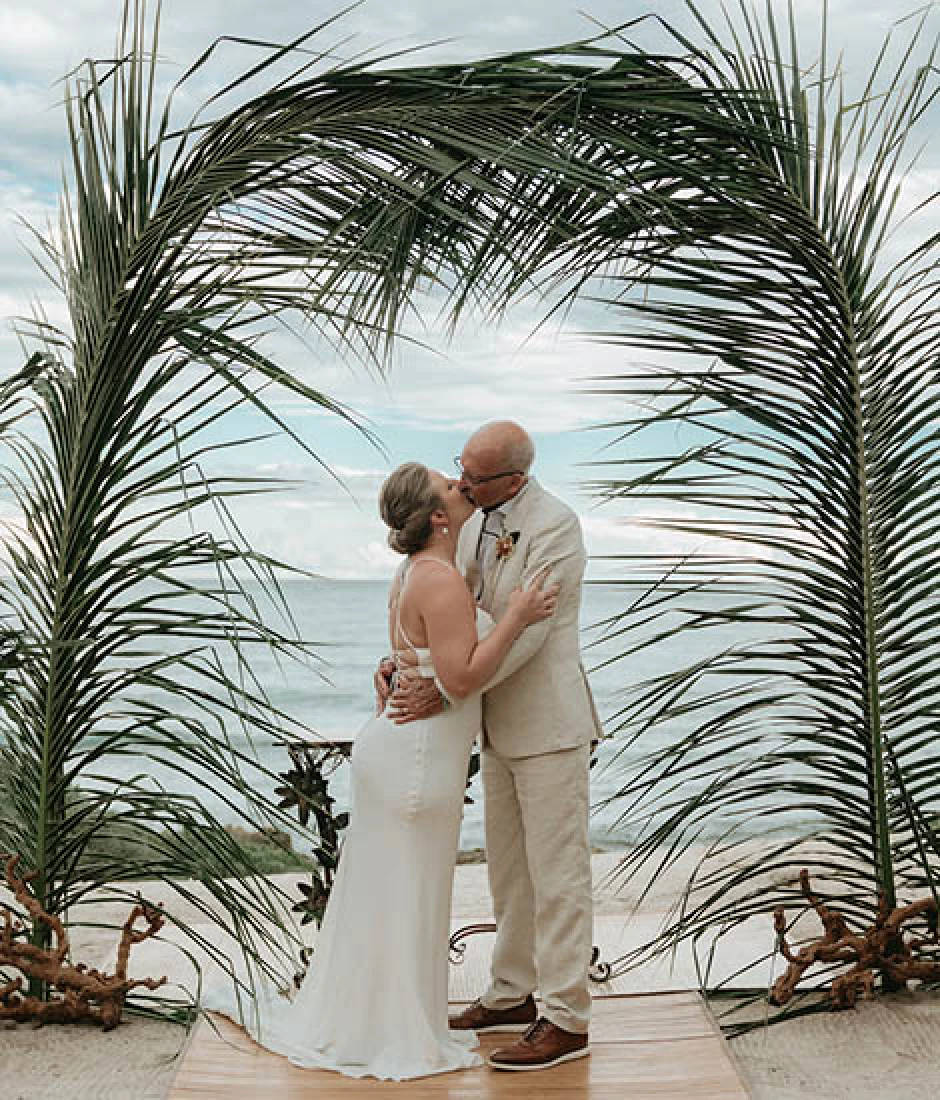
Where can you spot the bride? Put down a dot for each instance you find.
(374, 1002)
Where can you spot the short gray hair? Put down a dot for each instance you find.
(515, 447)
(520, 454)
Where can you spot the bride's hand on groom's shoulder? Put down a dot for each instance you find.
(536, 601)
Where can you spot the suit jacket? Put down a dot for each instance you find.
(539, 701)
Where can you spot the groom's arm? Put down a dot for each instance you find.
(559, 549)
(382, 682)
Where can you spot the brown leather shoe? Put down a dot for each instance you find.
(477, 1017)
(543, 1045)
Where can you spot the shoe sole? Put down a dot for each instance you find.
(507, 1029)
(583, 1053)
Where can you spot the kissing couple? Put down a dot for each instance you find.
(483, 625)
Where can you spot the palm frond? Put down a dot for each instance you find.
(332, 197)
(797, 356)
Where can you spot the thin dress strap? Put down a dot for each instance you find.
(406, 572)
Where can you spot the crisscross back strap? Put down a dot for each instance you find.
(406, 573)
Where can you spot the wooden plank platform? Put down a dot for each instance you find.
(654, 1046)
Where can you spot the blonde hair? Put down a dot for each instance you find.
(406, 503)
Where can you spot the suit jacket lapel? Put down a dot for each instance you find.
(466, 550)
(517, 520)
(471, 532)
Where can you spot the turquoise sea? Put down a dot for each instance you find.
(347, 621)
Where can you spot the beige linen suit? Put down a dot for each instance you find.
(538, 724)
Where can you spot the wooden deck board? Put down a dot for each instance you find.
(645, 1047)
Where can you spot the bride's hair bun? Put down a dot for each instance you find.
(406, 503)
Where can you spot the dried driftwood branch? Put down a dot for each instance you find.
(880, 949)
(77, 992)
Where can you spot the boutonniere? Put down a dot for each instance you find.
(505, 545)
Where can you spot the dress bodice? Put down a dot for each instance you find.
(485, 623)
(425, 666)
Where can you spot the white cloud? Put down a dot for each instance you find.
(486, 372)
(13, 529)
(19, 203)
(514, 369)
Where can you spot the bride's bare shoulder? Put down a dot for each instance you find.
(437, 579)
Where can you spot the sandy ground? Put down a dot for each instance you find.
(885, 1048)
(136, 1061)
(880, 1049)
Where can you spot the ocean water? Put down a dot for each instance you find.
(333, 697)
(347, 622)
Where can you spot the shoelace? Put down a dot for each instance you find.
(537, 1030)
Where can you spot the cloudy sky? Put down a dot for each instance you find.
(433, 398)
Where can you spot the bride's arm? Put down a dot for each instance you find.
(462, 662)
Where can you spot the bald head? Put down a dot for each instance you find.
(496, 461)
(503, 443)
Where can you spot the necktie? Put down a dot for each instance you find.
(486, 544)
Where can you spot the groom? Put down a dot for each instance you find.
(539, 721)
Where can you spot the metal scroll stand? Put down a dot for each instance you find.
(598, 970)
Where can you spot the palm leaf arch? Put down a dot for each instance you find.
(332, 198)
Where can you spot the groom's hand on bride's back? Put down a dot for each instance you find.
(382, 681)
(414, 697)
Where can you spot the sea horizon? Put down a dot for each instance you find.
(345, 622)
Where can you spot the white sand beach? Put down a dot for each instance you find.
(888, 1046)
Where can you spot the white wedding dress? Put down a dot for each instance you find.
(374, 1001)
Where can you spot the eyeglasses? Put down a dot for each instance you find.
(470, 480)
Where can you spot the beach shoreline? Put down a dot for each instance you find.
(836, 1055)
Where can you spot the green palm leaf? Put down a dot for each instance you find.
(331, 198)
(800, 379)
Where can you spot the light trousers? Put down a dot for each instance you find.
(539, 861)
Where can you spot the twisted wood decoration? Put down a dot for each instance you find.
(882, 948)
(77, 992)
